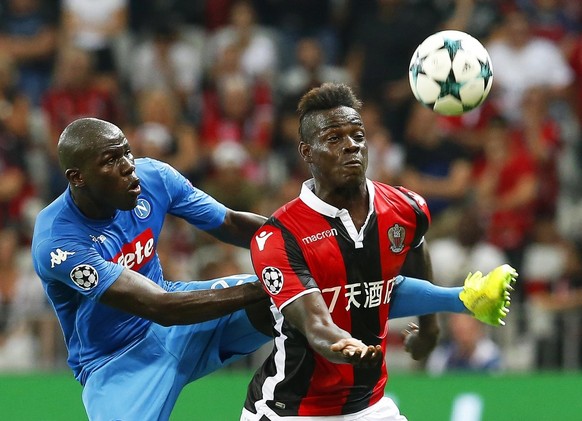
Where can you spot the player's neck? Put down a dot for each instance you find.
(89, 208)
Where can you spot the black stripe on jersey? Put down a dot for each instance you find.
(422, 223)
(362, 265)
(298, 365)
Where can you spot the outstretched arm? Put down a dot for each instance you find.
(238, 228)
(310, 315)
(138, 295)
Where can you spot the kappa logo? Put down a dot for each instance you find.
(98, 239)
(262, 239)
(59, 256)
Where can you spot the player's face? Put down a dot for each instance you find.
(109, 178)
(338, 154)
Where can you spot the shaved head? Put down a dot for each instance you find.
(80, 138)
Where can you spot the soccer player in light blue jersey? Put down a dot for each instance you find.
(134, 339)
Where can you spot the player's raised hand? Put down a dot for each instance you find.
(355, 352)
(418, 344)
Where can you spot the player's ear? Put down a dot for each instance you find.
(305, 151)
(74, 176)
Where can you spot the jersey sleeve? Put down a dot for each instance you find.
(77, 265)
(190, 203)
(422, 213)
(280, 266)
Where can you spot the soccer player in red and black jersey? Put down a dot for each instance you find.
(333, 262)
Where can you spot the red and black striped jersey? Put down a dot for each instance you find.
(310, 246)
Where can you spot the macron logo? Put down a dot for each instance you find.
(262, 239)
(319, 236)
(59, 256)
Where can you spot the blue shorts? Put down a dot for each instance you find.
(144, 382)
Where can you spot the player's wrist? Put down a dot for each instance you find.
(428, 326)
(256, 291)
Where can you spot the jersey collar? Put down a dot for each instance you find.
(310, 199)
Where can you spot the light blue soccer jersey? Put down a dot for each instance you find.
(78, 258)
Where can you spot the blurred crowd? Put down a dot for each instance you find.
(211, 87)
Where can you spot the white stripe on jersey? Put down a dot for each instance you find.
(268, 389)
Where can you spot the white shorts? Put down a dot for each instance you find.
(383, 410)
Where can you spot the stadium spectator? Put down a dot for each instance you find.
(144, 15)
(239, 111)
(549, 275)
(330, 260)
(506, 183)
(551, 19)
(476, 17)
(522, 62)
(24, 309)
(16, 186)
(379, 54)
(228, 181)
(28, 34)
(386, 157)
(95, 27)
(319, 20)
(167, 59)
(543, 139)
(73, 94)
(468, 348)
(309, 70)
(465, 250)
(94, 249)
(436, 167)
(255, 44)
(163, 132)
(287, 163)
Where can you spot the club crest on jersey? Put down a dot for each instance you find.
(143, 209)
(85, 276)
(396, 235)
(272, 279)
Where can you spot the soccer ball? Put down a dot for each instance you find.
(450, 72)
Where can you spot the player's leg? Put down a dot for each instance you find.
(486, 297)
(139, 384)
(218, 342)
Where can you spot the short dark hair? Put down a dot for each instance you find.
(325, 97)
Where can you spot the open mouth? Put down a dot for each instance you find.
(134, 187)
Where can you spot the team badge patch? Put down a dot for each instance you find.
(396, 235)
(272, 279)
(143, 208)
(85, 276)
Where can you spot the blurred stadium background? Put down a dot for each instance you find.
(211, 86)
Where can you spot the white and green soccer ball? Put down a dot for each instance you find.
(451, 73)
